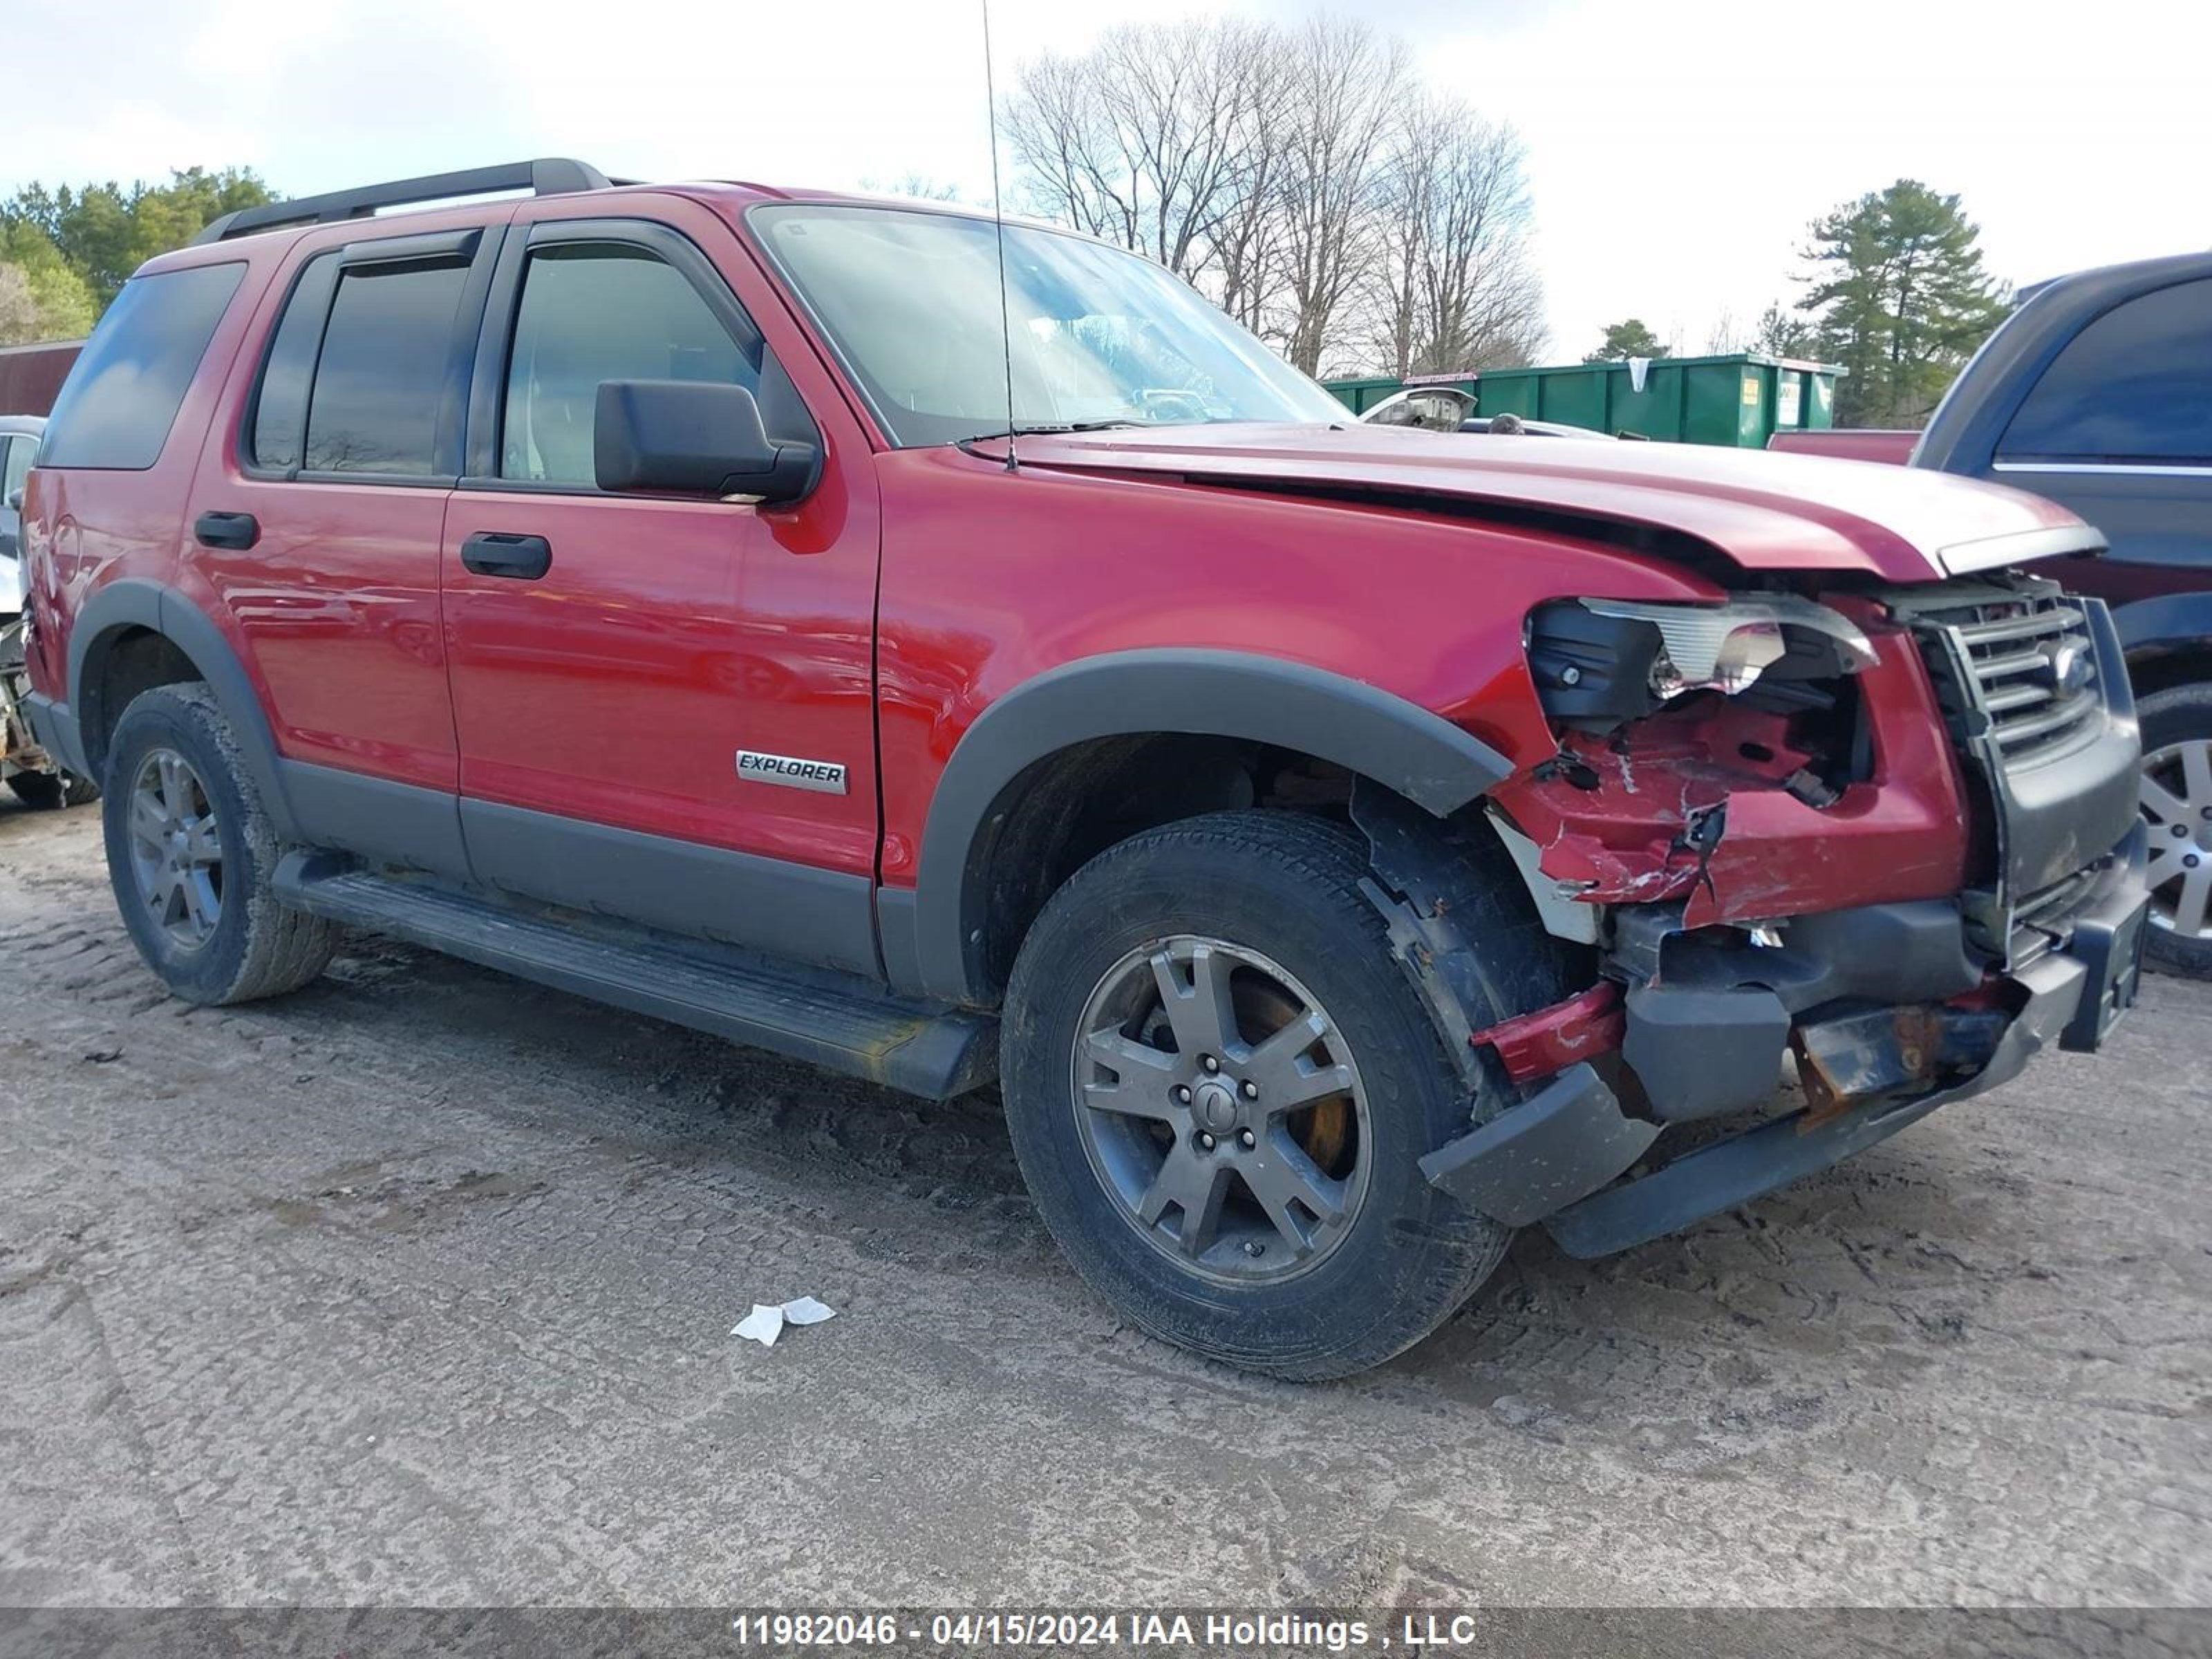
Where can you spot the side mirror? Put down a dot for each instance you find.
(696, 438)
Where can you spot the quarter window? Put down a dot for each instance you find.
(122, 397)
(2135, 384)
(600, 311)
(386, 352)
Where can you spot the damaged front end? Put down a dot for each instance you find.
(1887, 836)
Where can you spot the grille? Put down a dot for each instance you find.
(2021, 667)
(2051, 775)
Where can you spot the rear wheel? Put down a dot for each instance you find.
(45, 792)
(191, 853)
(1219, 1083)
(2177, 808)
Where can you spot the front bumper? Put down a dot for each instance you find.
(1712, 1046)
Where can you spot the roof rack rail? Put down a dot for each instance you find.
(553, 176)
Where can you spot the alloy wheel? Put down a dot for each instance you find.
(176, 849)
(1221, 1111)
(2176, 804)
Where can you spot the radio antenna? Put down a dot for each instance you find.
(999, 220)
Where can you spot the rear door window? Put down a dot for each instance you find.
(122, 397)
(381, 375)
(280, 406)
(2135, 384)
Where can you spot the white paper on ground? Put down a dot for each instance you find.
(762, 1325)
(766, 1321)
(807, 1311)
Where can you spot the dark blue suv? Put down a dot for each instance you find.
(2097, 392)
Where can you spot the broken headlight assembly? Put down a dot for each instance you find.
(1599, 664)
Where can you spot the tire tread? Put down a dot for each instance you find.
(1322, 864)
(284, 949)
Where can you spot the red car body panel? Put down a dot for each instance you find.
(1762, 512)
(991, 578)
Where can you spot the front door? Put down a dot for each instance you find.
(615, 659)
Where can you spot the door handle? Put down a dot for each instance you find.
(237, 531)
(495, 553)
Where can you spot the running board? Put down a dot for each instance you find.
(834, 1020)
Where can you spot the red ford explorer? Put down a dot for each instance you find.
(1343, 845)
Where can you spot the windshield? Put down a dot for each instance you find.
(910, 299)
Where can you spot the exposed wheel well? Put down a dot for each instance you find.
(2161, 667)
(132, 660)
(1072, 805)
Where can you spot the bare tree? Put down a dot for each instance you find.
(1247, 235)
(1455, 287)
(1300, 177)
(1147, 140)
(1343, 83)
(918, 186)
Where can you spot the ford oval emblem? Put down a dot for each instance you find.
(2068, 668)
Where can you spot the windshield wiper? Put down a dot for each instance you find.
(1054, 428)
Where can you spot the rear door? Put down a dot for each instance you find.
(612, 658)
(319, 529)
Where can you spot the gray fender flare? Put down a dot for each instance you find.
(1368, 731)
(131, 603)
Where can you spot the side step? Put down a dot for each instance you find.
(831, 1019)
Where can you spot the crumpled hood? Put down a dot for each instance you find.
(1762, 511)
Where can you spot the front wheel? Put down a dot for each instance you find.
(2177, 808)
(1219, 1082)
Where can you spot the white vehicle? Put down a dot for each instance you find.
(1449, 409)
(27, 768)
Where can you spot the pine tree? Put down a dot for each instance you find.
(1900, 299)
(1630, 338)
(104, 232)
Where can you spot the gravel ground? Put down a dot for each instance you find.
(415, 1288)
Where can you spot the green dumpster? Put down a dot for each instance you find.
(1740, 399)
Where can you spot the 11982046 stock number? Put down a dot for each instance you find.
(957, 1630)
(813, 1629)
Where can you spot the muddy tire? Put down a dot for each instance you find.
(1219, 1082)
(2177, 796)
(191, 853)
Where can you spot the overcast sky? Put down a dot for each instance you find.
(1677, 148)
